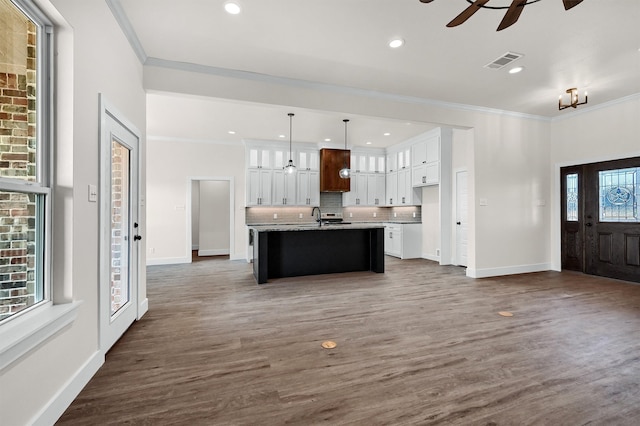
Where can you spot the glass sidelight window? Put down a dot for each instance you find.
(619, 191)
(572, 197)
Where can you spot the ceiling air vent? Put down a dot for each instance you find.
(504, 60)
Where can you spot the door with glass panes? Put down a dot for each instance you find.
(601, 218)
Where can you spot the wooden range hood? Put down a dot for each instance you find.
(331, 161)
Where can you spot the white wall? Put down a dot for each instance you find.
(171, 165)
(214, 218)
(588, 136)
(94, 58)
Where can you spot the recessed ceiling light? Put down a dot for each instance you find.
(368, 142)
(282, 136)
(232, 8)
(231, 132)
(395, 43)
(387, 134)
(515, 70)
(327, 139)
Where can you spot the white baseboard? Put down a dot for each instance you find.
(168, 261)
(143, 307)
(65, 396)
(431, 257)
(507, 270)
(213, 252)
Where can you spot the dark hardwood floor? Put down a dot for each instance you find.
(418, 345)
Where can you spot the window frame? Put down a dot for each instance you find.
(25, 330)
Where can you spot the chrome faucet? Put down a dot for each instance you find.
(318, 215)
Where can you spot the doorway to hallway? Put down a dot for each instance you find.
(211, 224)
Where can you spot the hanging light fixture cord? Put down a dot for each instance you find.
(345, 173)
(290, 168)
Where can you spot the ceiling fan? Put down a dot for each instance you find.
(510, 18)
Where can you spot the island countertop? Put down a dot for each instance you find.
(314, 226)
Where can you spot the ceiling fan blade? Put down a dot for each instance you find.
(426, 1)
(568, 4)
(467, 13)
(512, 14)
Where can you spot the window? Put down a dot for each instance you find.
(24, 173)
(572, 197)
(619, 192)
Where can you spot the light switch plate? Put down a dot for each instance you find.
(93, 193)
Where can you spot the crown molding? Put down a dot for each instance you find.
(126, 27)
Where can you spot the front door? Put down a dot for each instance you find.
(601, 219)
(119, 228)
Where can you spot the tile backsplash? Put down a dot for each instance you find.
(331, 202)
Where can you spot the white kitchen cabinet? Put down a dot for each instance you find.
(308, 159)
(407, 194)
(259, 157)
(404, 158)
(426, 161)
(259, 187)
(357, 195)
(392, 189)
(284, 188)
(392, 162)
(376, 189)
(279, 158)
(376, 163)
(426, 174)
(403, 240)
(358, 162)
(308, 188)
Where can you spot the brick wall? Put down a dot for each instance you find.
(118, 291)
(17, 160)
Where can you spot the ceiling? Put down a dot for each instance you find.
(594, 46)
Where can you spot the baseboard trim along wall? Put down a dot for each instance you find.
(168, 261)
(431, 257)
(507, 270)
(213, 252)
(65, 396)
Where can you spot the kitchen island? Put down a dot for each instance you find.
(296, 250)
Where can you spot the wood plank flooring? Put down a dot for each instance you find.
(418, 345)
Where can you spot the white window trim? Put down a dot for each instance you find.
(26, 331)
(22, 334)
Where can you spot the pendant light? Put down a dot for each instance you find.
(290, 168)
(345, 172)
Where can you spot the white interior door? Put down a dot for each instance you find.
(462, 223)
(118, 227)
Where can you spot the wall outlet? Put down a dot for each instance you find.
(414, 214)
(350, 214)
(375, 214)
(395, 214)
(300, 216)
(152, 250)
(275, 215)
(437, 252)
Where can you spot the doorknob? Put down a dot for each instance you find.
(588, 224)
(458, 223)
(137, 237)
